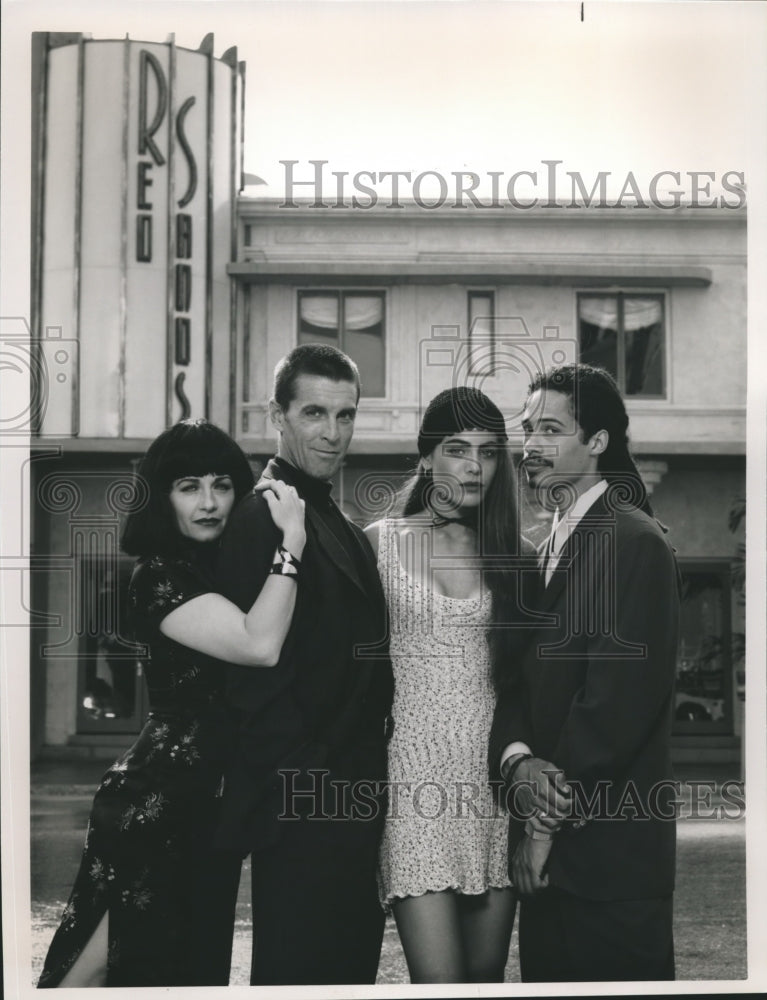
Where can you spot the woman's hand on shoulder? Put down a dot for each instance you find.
(288, 512)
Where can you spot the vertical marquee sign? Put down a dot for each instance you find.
(137, 160)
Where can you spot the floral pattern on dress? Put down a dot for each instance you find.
(115, 775)
(138, 894)
(147, 859)
(68, 917)
(165, 597)
(185, 751)
(189, 675)
(147, 812)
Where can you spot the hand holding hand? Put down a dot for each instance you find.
(541, 793)
(288, 513)
(527, 865)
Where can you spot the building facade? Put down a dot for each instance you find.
(426, 299)
(422, 300)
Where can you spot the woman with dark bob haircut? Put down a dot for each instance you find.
(153, 903)
(443, 859)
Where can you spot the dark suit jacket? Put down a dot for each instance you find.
(593, 693)
(326, 703)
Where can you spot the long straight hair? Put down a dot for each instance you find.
(497, 521)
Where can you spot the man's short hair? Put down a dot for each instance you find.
(312, 359)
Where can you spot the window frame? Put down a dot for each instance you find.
(88, 652)
(489, 368)
(622, 293)
(722, 568)
(341, 293)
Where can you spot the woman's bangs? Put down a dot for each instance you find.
(208, 459)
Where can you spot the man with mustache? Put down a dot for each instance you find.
(582, 729)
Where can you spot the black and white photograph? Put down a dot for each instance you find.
(383, 466)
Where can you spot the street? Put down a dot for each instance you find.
(710, 908)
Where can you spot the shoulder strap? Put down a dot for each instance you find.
(384, 544)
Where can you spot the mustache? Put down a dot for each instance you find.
(536, 460)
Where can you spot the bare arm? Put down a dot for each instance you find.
(214, 625)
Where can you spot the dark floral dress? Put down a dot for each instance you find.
(148, 858)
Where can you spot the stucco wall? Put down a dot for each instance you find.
(704, 406)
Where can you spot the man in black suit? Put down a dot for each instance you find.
(306, 795)
(582, 729)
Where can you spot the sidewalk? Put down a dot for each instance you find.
(81, 776)
(710, 909)
(68, 777)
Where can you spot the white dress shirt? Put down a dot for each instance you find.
(561, 529)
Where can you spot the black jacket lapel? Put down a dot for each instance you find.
(550, 595)
(326, 539)
(333, 548)
(596, 516)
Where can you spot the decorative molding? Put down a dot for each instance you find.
(253, 208)
(491, 269)
(648, 410)
(375, 403)
(207, 48)
(652, 472)
(170, 260)
(78, 234)
(236, 154)
(321, 232)
(124, 195)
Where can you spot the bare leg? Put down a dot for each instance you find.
(429, 929)
(90, 968)
(486, 925)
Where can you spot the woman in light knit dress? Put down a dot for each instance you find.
(443, 860)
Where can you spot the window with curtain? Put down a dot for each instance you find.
(481, 308)
(626, 335)
(352, 322)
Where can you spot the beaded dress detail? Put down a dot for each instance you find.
(443, 830)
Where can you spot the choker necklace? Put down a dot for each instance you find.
(468, 520)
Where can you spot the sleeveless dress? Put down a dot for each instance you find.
(148, 859)
(443, 830)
